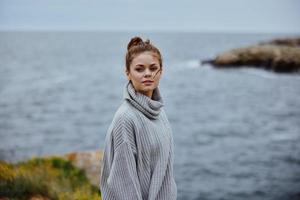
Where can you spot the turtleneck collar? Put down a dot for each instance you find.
(149, 107)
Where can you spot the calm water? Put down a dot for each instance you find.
(236, 132)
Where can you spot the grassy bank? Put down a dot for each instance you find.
(45, 178)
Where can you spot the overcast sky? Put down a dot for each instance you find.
(152, 15)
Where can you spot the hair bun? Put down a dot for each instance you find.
(135, 41)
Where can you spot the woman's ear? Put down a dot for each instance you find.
(127, 74)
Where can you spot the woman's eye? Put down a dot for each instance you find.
(153, 69)
(139, 69)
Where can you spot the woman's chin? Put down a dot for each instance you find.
(148, 88)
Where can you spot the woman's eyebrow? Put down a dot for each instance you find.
(153, 64)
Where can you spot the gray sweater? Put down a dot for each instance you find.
(138, 152)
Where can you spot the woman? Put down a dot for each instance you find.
(138, 153)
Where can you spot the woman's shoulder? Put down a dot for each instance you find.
(124, 114)
(123, 124)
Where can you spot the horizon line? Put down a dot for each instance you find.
(151, 31)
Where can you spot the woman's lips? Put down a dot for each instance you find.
(147, 82)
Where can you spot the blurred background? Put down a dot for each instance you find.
(236, 131)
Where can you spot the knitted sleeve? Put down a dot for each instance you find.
(119, 178)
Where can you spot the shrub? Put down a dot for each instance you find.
(50, 178)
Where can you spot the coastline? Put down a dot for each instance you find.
(279, 55)
(71, 175)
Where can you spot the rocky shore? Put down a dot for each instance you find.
(73, 175)
(280, 55)
(89, 161)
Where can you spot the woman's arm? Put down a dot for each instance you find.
(119, 178)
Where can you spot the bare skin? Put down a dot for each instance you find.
(145, 67)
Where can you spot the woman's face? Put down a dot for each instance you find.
(145, 72)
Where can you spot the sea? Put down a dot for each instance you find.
(236, 131)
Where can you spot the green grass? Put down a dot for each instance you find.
(50, 178)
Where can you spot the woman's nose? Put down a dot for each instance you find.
(148, 72)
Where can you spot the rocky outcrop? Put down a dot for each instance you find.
(89, 161)
(291, 42)
(71, 176)
(282, 55)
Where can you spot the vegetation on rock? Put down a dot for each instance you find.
(45, 178)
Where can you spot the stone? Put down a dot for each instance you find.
(89, 161)
(280, 55)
